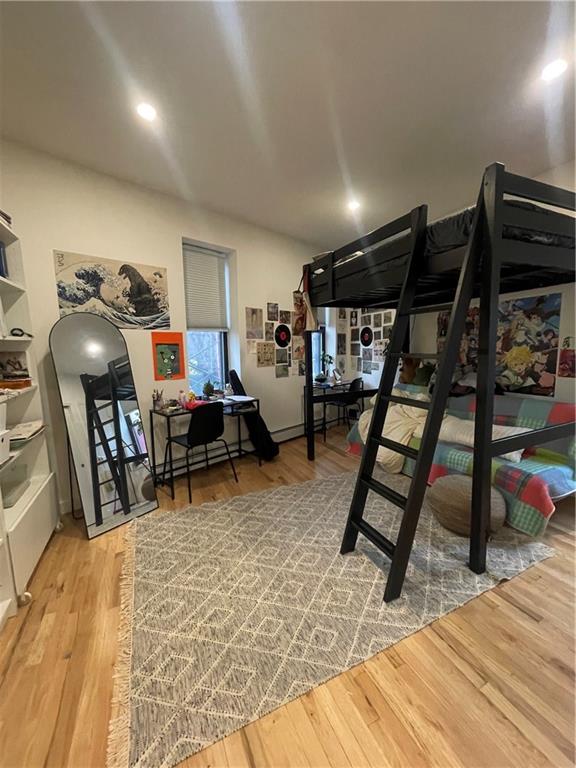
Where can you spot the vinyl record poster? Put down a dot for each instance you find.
(282, 335)
(366, 336)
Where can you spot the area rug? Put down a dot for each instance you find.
(234, 608)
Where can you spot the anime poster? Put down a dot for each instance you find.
(129, 295)
(168, 356)
(526, 345)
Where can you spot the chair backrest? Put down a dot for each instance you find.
(357, 385)
(206, 424)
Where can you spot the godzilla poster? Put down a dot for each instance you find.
(129, 295)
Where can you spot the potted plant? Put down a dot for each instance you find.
(208, 389)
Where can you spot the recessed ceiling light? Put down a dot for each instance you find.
(353, 205)
(554, 69)
(146, 111)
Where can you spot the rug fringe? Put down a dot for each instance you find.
(118, 750)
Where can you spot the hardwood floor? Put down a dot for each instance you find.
(489, 685)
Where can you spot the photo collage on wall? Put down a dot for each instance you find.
(526, 346)
(370, 332)
(276, 337)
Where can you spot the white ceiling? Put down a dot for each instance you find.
(277, 112)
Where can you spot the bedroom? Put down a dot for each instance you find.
(173, 174)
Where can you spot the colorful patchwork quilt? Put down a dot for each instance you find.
(545, 473)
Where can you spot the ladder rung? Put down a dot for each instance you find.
(425, 404)
(424, 355)
(383, 544)
(392, 445)
(383, 490)
(424, 308)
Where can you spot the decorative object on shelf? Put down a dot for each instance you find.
(126, 294)
(18, 332)
(254, 321)
(168, 355)
(450, 499)
(101, 410)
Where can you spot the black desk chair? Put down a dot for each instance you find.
(357, 385)
(206, 426)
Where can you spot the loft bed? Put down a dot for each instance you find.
(537, 250)
(507, 243)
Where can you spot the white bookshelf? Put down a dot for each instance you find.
(27, 525)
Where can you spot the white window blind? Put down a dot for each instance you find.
(205, 288)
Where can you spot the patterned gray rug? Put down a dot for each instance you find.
(239, 606)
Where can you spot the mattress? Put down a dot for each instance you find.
(454, 231)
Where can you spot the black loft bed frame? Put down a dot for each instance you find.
(109, 389)
(510, 247)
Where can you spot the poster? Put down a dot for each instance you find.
(265, 354)
(355, 334)
(129, 295)
(341, 313)
(282, 356)
(272, 312)
(282, 371)
(388, 317)
(301, 368)
(378, 320)
(251, 346)
(299, 314)
(340, 343)
(285, 316)
(353, 318)
(526, 344)
(298, 347)
(254, 321)
(268, 331)
(168, 355)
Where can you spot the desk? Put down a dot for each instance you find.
(232, 408)
(326, 387)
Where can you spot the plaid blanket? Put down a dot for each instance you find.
(545, 473)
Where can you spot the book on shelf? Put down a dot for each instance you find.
(3, 260)
(25, 431)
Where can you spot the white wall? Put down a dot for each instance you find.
(57, 205)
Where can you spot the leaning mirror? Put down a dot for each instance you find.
(103, 421)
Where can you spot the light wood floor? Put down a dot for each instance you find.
(489, 685)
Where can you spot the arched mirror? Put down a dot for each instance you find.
(103, 421)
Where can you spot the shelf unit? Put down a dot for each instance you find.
(25, 527)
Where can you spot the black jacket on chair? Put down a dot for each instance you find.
(260, 436)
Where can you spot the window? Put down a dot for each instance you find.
(206, 292)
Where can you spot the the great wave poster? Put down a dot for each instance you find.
(129, 295)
